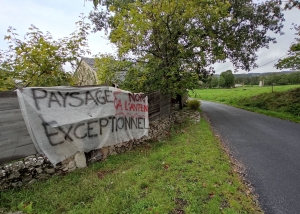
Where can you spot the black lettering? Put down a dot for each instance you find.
(73, 95)
(131, 96)
(127, 123)
(134, 122)
(103, 125)
(48, 134)
(52, 95)
(120, 127)
(66, 133)
(91, 128)
(107, 95)
(101, 100)
(36, 98)
(139, 123)
(64, 97)
(88, 97)
(75, 131)
(143, 97)
(112, 123)
(136, 97)
(145, 124)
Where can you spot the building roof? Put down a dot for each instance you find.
(89, 61)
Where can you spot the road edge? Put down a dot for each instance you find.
(236, 165)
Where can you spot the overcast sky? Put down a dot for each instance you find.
(59, 17)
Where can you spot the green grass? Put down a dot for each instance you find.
(284, 103)
(189, 172)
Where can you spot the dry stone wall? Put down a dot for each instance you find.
(38, 167)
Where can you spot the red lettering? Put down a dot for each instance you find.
(119, 105)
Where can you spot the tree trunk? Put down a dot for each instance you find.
(179, 100)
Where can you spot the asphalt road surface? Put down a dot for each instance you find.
(269, 149)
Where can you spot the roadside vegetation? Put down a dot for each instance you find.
(283, 103)
(279, 78)
(227, 79)
(187, 173)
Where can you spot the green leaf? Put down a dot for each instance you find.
(175, 43)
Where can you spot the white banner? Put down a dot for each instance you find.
(64, 120)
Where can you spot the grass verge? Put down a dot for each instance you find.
(188, 173)
(283, 103)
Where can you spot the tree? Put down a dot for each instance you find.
(111, 70)
(214, 82)
(137, 80)
(292, 3)
(38, 59)
(254, 80)
(222, 82)
(179, 41)
(228, 79)
(293, 61)
(6, 80)
(294, 78)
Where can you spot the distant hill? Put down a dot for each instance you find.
(259, 74)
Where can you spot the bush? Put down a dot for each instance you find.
(294, 109)
(194, 104)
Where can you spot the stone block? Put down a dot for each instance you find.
(43, 176)
(16, 184)
(112, 150)
(27, 178)
(50, 170)
(39, 161)
(71, 165)
(39, 170)
(14, 175)
(18, 165)
(8, 167)
(3, 180)
(29, 158)
(104, 152)
(32, 182)
(65, 169)
(30, 162)
(80, 160)
(2, 173)
(4, 186)
(94, 155)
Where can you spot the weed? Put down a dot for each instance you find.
(25, 207)
(194, 104)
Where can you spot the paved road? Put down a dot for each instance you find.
(269, 148)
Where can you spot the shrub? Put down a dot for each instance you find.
(194, 104)
(294, 109)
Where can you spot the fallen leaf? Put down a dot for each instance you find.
(101, 175)
(211, 195)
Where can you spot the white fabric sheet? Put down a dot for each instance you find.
(64, 120)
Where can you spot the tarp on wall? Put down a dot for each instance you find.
(64, 120)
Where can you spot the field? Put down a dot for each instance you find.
(187, 173)
(283, 103)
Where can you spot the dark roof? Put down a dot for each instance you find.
(89, 61)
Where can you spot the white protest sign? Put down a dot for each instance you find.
(64, 120)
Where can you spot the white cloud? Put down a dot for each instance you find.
(275, 51)
(59, 17)
(56, 16)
